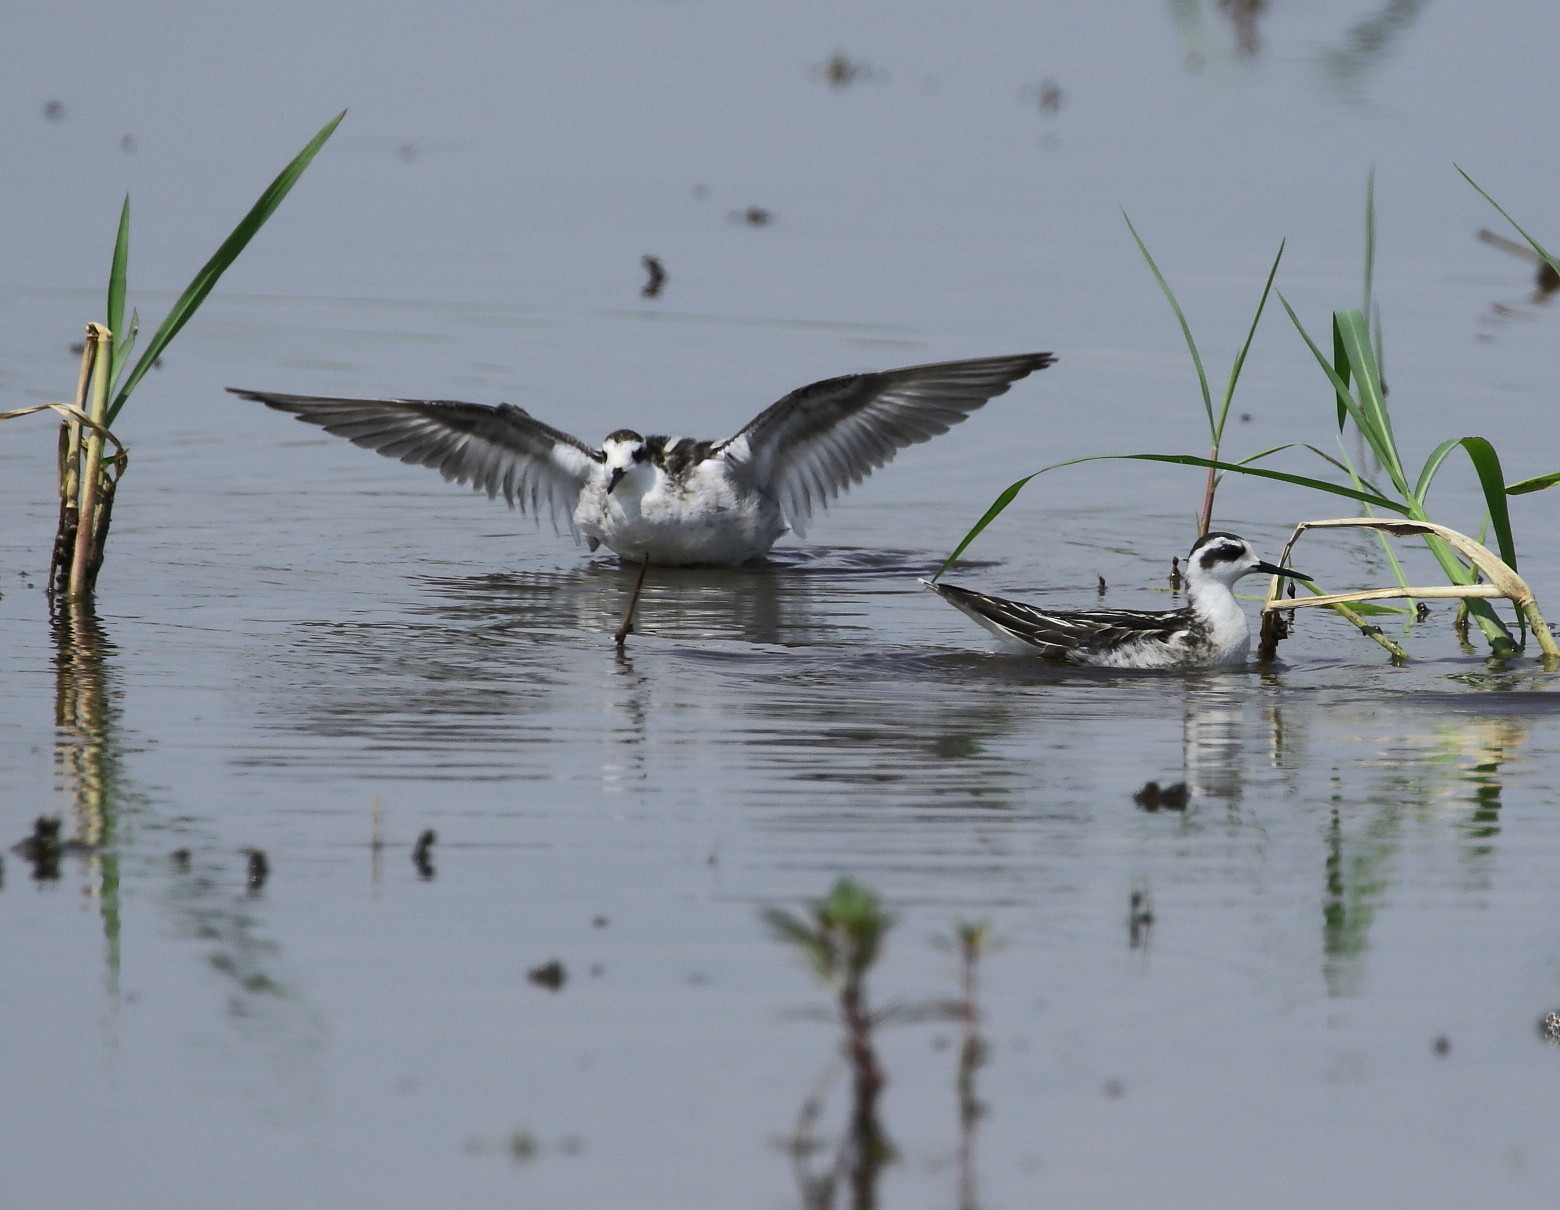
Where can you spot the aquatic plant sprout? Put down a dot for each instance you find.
(1216, 419)
(1354, 373)
(87, 479)
(202, 283)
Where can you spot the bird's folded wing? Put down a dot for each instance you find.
(503, 450)
(1056, 632)
(823, 438)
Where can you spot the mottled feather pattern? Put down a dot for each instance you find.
(676, 499)
(678, 455)
(503, 451)
(1064, 634)
(824, 438)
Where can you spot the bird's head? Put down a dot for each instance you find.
(1223, 558)
(622, 451)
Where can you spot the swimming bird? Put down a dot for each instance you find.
(1209, 632)
(675, 501)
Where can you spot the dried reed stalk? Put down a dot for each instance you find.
(1502, 582)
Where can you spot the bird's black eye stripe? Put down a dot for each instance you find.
(640, 454)
(1220, 554)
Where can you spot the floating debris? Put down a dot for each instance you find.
(42, 849)
(128, 145)
(1114, 1089)
(753, 216)
(54, 110)
(599, 922)
(839, 70)
(1140, 919)
(550, 975)
(180, 859)
(259, 870)
(1546, 279)
(407, 153)
(1154, 797)
(1046, 95)
(657, 272)
(422, 855)
(1441, 1047)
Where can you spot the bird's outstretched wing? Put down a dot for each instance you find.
(503, 450)
(822, 439)
(1058, 634)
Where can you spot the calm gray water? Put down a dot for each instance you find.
(1354, 919)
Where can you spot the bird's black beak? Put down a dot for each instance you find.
(1274, 569)
(617, 474)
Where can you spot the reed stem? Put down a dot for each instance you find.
(92, 474)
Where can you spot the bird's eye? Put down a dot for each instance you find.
(640, 453)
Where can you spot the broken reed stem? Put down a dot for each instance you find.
(69, 472)
(92, 475)
(1369, 629)
(1503, 582)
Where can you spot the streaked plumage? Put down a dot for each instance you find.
(1211, 631)
(674, 500)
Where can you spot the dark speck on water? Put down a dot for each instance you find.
(657, 271)
(1154, 797)
(422, 855)
(550, 975)
(257, 870)
(42, 849)
(840, 70)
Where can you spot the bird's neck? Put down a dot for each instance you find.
(1215, 604)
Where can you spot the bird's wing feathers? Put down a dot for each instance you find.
(1056, 633)
(503, 450)
(823, 438)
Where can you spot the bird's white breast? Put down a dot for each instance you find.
(706, 516)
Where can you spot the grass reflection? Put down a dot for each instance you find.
(87, 758)
(841, 939)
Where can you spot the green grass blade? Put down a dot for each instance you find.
(1343, 372)
(1011, 492)
(1486, 464)
(1352, 330)
(1536, 484)
(1433, 464)
(117, 272)
(1347, 407)
(1240, 358)
(1354, 476)
(1186, 328)
(1533, 243)
(1370, 238)
(1320, 485)
(207, 278)
(1257, 457)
